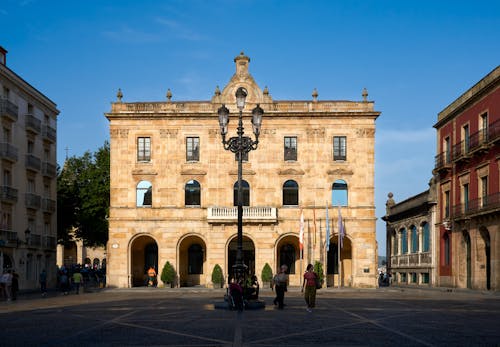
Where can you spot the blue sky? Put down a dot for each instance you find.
(414, 57)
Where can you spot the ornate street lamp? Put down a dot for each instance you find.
(240, 145)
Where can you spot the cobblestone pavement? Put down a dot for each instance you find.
(187, 317)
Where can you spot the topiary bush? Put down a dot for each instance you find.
(168, 274)
(318, 269)
(267, 273)
(217, 276)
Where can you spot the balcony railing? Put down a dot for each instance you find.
(494, 131)
(48, 169)
(443, 161)
(461, 151)
(8, 110)
(48, 205)
(35, 240)
(33, 201)
(8, 194)
(33, 162)
(7, 235)
(250, 214)
(49, 242)
(482, 205)
(32, 123)
(423, 259)
(49, 133)
(8, 152)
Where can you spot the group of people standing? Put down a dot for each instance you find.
(9, 285)
(309, 286)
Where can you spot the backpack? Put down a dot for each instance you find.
(317, 281)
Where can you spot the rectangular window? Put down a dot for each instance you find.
(466, 134)
(143, 149)
(466, 197)
(30, 109)
(447, 150)
(7, 178)
(31, 147)
(447, 204)
(193, 149)
(484, 191)
(402, 276)
(290, 148)
(425, 278)
(339, 148)
(483, 126)
(413, 277)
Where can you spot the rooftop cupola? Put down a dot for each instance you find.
(242, 64)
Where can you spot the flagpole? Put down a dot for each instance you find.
(339, 249)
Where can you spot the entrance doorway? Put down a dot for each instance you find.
(487, 252)
(144, 254)
(468, 256)
(248, 254)
(192, 257)
(333, 262)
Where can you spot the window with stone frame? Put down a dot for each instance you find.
(290, 193)
(143, 149)
(290, 148)
(339, 148)
(192, 149)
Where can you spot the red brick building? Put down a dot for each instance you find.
(467, 172)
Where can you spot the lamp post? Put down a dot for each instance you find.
(240, 145)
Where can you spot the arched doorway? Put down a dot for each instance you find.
(248, 254)
(192, 257)
(144, 254)
(468, 264)
(6, 262)
(288, 253)
(345, 262)
(487, 253)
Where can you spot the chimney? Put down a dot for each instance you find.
(3, 56)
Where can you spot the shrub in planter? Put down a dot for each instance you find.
(217, 276)
(267, 274)
(318, 269)
(168, 274)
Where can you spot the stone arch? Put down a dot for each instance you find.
(143, 254)
(248, 253)
(465, 260)
(346, 262)
(192, 257)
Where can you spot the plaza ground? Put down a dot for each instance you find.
(187, 317)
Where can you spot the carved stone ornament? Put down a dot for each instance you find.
(244, 172)
(367, 132)
(340, 172)
(316, 132)
(121, 133)
(144, 172)
(171, 133)
(193, 172)
(290, 172)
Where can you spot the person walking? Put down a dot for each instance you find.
(7, 284)
(280, 281)
(43, 282)
(77, 280)
(309, 287)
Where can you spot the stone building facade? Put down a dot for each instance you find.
(28, 193)
(173, 187)
(467, 168)
(411, 240)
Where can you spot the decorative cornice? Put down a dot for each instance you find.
(193, 172)
(244, 172)
(340, 172)
(290, 172)
(145, 172)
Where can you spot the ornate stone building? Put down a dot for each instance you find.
(468, 171)
(29, 186)
(173, 184)
(410, 235)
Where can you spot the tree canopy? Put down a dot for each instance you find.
(83, 198)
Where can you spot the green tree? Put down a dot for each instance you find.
(267, 273)
(217, 276)
(83, 197)
(318, 269)
(168, 274)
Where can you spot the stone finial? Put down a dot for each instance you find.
(390, 202)
(242, 62)
(365, 95)
(315, 95)
(169, 95)
(119, 95)
(217, 91)
(266, 91)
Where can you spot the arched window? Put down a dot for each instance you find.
(245, 187)
(195, 259)
(287, 257)
(339, 193)
(192, 193)
(404, 241)
(290, 193)
(414, 239)
(425, 237)
(395, 243)
(144, 194)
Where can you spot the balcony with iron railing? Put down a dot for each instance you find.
(261, 214)
(49, 242)
(48, 205)
(48, 169)
(8, 152)
(49, 133)
(494, 131)
(32, 162)
(8, 110)
(32, 123)
(443, 161)
(35, 240)
(7, 235)
(33, 201)
(8, 194)
(486, 204)
(461, 151)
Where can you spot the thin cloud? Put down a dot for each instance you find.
(130, 35)
(393, 136)
(179, 30)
